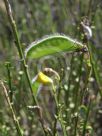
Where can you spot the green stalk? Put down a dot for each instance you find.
(94, 66)
(18, 128)
(69, 82)
(86, 119)
(9, 80)
(89, 71)
(77, 86)
(57, 107)
(18, 45)
(58, 115)
(67, 92)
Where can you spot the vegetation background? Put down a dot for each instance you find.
(34, 19)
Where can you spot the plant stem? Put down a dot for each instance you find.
(18, 45)
(57, 114)
(94, 66)
(9, 80)
(55, 122)
(19, 130)
(67, 93)
(86, 119)
(69, 81)
(89, 72)
(77, 86)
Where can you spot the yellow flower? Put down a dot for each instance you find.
(42, 78)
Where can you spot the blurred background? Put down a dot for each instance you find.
(34, 19)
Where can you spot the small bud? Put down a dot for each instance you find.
(87, 30)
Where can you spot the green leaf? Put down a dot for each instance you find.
(52, 44)
(35, 87)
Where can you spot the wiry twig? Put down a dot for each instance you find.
(9, 80)
(18, 45)
(19, 130)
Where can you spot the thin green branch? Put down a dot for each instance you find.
(18, 45)
(86, 119)
(96, 73)
(19, 130)
(9, 80)
(77, 86)
(58, 116)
